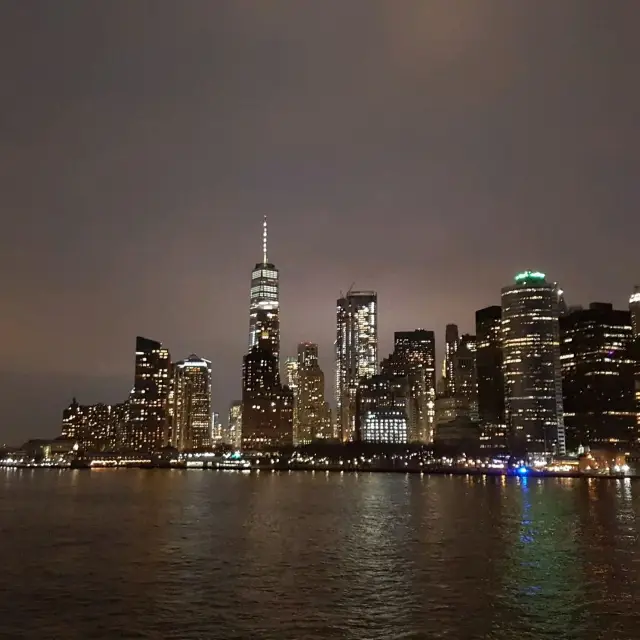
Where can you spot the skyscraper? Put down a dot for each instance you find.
(452, 340)
(291, 376)
(414, 357)
(356, 353)
(465, 383)
(291, 367)
(267, 405)
(634, 308)
(216, 435)
(458, 395)
(95, 427)
(598, 378)
(264, 314)
(490, 378)
(382, 405)
(73, 422)
(531, 357)
(191, 414)
(312, 419)
(234, 425)
(148, 400)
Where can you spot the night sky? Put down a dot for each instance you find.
(425, 149)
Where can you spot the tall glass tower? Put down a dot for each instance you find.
(531, 364)
(311, 414)
(634, 308)
(598, 378)
(148, 401)
(356, 353)
(191, 411)
(452, 342)
(264, 315)
(414, 358)
(490, 378)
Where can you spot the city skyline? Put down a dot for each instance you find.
(133, 191)
(284, 358)
(335, 300)
(548, 356)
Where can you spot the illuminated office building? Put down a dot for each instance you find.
(147, 420)
(216, 437)
(291, 368)
(531, 361)
(233, 436)
(191, 426)
(356, 353)
(464, 373)
(452, 340)
(459, 375)
(73, 422)
(104, 423)
(95, 427)
(634, 309)
(383, 407)
(414, 357)
(598, 378)
(267, 405)
(312, 420)
(264, 314)
(291, 377)
(385, 426)
(490, 379)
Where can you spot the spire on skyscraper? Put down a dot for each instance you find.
(264, 241)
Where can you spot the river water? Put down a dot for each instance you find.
(304, 556)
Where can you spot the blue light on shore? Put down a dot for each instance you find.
(523, 471)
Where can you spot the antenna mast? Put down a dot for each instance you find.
(264, 240)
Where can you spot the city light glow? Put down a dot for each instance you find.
(530, 275)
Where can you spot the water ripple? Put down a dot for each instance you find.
(188, 555)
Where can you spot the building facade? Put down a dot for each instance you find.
(291, 367)
(267, 405)
(356, 353)
(95, 427)
(383, 409)
(291, 377)
(414, 357)
(450, 408)
(598, 378)
(312, 418)
(451, 343)
(490, 378)
(634, 309)
(191, 425)
(233, 436)
(465, 383)
(385, 426)
(148, 402)
(531, 364)
(73, 423)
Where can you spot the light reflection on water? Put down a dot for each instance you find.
(171, 554)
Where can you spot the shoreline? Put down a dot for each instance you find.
(255, 469)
